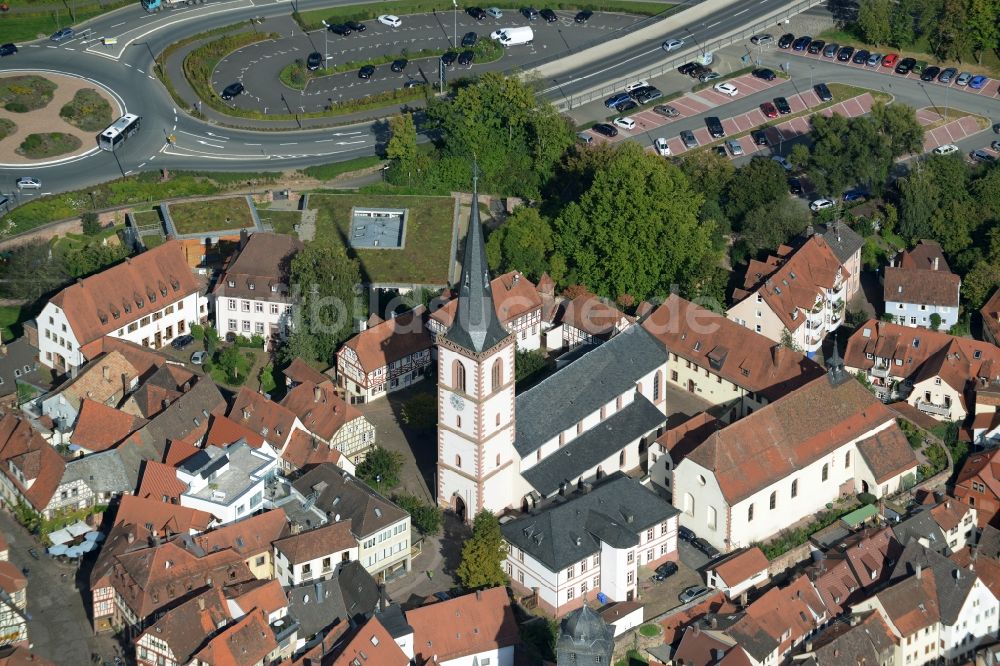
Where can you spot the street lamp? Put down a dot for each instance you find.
(454, 37)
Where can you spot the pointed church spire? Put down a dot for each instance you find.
(476, 326)
(835, 367)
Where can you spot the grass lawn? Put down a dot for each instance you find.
(87, 110)
(331, 171)
(7, 127)
(21, 94)
(282, 221)
(50, 144)
(213, 215)
(424, 260)
(10, 322)
(145, 219)
(22, 27)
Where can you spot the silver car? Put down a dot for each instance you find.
(495, 12)
(689, 139)
(692, 593)
(963, 79)
(28, 183)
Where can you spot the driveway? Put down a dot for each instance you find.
(659, 597)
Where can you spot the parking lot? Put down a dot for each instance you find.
(258, 65)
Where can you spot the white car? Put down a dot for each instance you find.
(661, 147)
(635, 86)
(727, 89)
(495, 12)
(28, 183)
(785, 164)
(946, 149)
(625, 123)
(672, 45)
(390, 20)
(821, 204)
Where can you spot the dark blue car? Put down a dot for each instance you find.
(615, 100)
(856, 194)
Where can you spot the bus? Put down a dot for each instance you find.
(119, 130)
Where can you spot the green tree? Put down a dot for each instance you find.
(770, 225)
(31, 271)
(800, 156)
(380, 469)
(901, 29)
(874, 20)
(483, 554)
(935, 321)
(420, 411)
(402, 147)
(91, 225)
(527, 362)
(762, 182)
(524, 242)
(425, 517)
(635, 230)
(91, 258)
(899, 123)
(267, 383)
(233, 363)
(325, 280)
(951, 38)
(983, 26)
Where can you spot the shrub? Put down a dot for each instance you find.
(197, 331)
(424, 516)
(867, 498)
(91, 225)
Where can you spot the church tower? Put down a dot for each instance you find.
(477, 463)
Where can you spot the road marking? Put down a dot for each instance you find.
(206, 143)
(127, 65)
(141, 165)
(152, 158)
(713, 25)
(139, 70)
(742, 11)
(323, 140)
(118, 24)
(294, 143)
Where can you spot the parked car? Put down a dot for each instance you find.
(996, 128)
(466, 57)
(782, 105)
(635, 85)
(469, 39)
(821, 204)
(708, 75)
(705, 547)
(947, 75)
(583, 17)
(946, 149)
(815, 46)
(857, 194)
(795, 186)
(690, 141)
(980, 155)
(413, 83)
(181, 341)
(62, 34)
(765, 74)
(530, 13)
(646, 95)
(963, 79)
(698, 70)
(666, 111)
(33, 553)
(664, 571)
(762, 39)
(830, 51)
(726, 89)
(860, 57)
(625, 122)
(685, 533)
(339, 29)
(905, 66)
(356, 26)
(495, 12)
(584, 138)
(930, 73)
(919, 66)
(845, 53)
(995, 146)
(627, 105)
(782, 162)
(314, 61)
(7, 49)
(769, 110)
(366, 72)
(549, 16)
(715, 127)
(476, 13)
(874, 60)
(199, 357)
(449, 58)
(890, 59)
(399, 65)
(686, 67)
(801, 43)
(978, 82)
(661, 147)
(823, 92)
(734, 147)
(390, 20)
(672, 44)
(28, 183)
(615, 100)
(786, 40)
(692, 593)
(759, 137)
(605, 129)
(232, 90)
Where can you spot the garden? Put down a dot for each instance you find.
(21, 94)
(197, 217)
(88, 110)
(48, 144)
(7, 127)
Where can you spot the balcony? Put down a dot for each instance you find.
(943, 411)
(880, 371)
(812, 325)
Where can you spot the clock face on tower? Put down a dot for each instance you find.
(457, 402)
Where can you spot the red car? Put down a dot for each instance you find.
(769, 110)
(890, 60)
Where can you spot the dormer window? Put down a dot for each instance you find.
(745, 371)
(916, 343)
(795, 315)
(232, 283)
(978, 354)
(274, 288)
(251, 285)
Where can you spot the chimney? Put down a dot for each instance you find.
(246, 413)
(106, 372)
(777, 354)
(719, 654)
(383, 601)
(920, 569)
(479, 595)
(713, 622)
(317, 394)
(855, 619)
(131, 537)
(201, 603)
(957, 573)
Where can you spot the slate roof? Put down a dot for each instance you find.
(843, 240)
(951, 584)
(887, 453)
(563, 399)
(103, 472)
(190, 412)
(787, 435)
(477, 327)
(16, 355)
(599, 443)
(571, 528)
(339, 492)
(920, 286)
(351, 595)
(585, 628)
(922, 525)
(320, 542)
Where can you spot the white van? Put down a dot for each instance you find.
(517, 36)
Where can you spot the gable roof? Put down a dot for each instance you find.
(563, 399)
(985, 466)
(319, 408)
(920, 286)
(100, 427)
(270, 419)
(186, 628)
(991, 317)
(843, 240)
(396, 338)
(513, 295)
(925, 255)
(946, 586)
(595, 316)
(741, 565)
(146, 283)
(304, 450)
(791, 280)
(320, 542)
(572, 527)
(735, 353)
(247, 642)
(101, 379)
(465, 625)
(887, 453)
(867, 642)
(299, 371)
(161, 518)
(340, 493)
(222, 430)
(22, 446)
(186, 415)
(106, 473)
(680, 440)
(787, 435)
(264, 260)
(370, 643)
(249, 537)
(143, 359)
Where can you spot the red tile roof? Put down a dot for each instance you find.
(682, 439)
(888, 453)
(320, 542)
(927, 254)
(673, 624)
(223, 430)
(733, 352)
(267, 595)
(991, 317)
(12, 580)
(126, 292)
(179, 450)
(244, 643)
(22, 446)
(920, 286)
(299, 371)
(304, 450)
(788, 434)
(462, 626)
(912, 603)
(248, 537)
(391, 340)
(100, 427)
(371, 643)
(984, 466)
(143, 359)
(161, 518)
(264, 261)
(263, 416)
(595, 316)
(742, 565)
(513, 296)
(21, 656)
(159, 481)
(320, 409)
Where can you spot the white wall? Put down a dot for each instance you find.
(615, 568)
(501, 656)
(977, 621)
(58, 327)
(258, 320)
(386, 548)
(290, 574)
(695, 490)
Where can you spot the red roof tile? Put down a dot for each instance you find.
(513, 296)
(991, 317)
(920, 286)
(223, 430)
(244, 643)
(320, 409)
(742, 565)
(21, 656)
(12, 580)
(263, 416)
(23, 447)
(927, 254)
(595, 316)
(888, 453)
(159, 481)
(390, 341)
(100, 427)
(161, 518)
(299, 371)
(250, 536)
(371, 643)
(320, 542)
(465, 625)
(304, 450)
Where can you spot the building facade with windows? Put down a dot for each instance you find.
(227, 482)
(149, 299)
(918, 284)
(314, 555)
(253, 296)
(589, 542)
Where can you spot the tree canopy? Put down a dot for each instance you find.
(483, 554)
(380, 469)
(524, 242)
